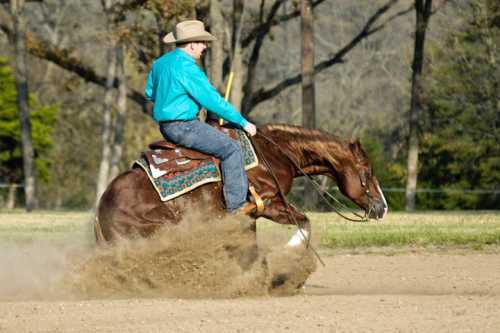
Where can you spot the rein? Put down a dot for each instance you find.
(287, 204)
(317, 187)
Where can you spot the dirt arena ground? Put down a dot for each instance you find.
(416, 292)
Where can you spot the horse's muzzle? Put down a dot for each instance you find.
(378, 209)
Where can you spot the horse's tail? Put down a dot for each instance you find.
(99, 236)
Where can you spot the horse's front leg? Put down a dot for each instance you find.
(278, 211)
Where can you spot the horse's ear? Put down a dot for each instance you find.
(357, 150)
(354, 145)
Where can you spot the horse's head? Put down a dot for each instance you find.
(357, 181)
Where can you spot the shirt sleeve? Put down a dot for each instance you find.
(197, 85)
(149, 89)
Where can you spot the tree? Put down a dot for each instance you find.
(119, 128)
(217, 47)
(107, 108)
(42, 118)
(17, 12)
(423, 13)
(460, 146)
(237, 53)
(308, 95)
(147, 48)
(371, 27)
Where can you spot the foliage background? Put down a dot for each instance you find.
(43, 119)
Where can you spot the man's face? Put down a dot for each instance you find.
(198, 48)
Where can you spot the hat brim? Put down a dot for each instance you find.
(203, 37)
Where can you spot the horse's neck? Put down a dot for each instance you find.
(314, 151)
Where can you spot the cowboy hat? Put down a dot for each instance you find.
(189, 31)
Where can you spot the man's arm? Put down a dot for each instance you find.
(197, 85)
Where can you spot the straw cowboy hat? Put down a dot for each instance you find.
(189, 31)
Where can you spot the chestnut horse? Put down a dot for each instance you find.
(130, 205)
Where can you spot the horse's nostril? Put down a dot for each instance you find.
(378, 210)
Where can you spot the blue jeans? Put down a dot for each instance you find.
(206, 139)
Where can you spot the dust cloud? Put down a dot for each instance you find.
(34, 269)
(197, 258)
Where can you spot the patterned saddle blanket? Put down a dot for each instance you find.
(175, 170)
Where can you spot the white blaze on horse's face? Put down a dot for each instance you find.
(386, 207)
(377, 205)
(358, 183)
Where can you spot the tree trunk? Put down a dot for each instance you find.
(107, 111)
(17, 10)
(119, 129)
(423, 12)
(11, 196)
(237, 87)
(217, 47)
(58, 202)
(237, 59)
(308, 95)
(103, 174)
(251, 68)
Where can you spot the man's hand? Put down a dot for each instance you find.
(250, 129)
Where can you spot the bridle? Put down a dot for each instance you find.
(363, 178)
(338, 205)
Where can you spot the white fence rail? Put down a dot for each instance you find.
(4, 185)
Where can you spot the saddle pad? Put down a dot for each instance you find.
(249, 155)
(172, 185)
(175, 184)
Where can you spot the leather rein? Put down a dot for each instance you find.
(283, 197)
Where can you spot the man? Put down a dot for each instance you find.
(179, 88)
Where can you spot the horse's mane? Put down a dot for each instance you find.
(298, 140)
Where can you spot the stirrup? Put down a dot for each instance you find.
(259, 203)
(248, 208)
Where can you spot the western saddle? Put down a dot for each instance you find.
(165, 157)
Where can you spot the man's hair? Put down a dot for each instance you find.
(182, 44)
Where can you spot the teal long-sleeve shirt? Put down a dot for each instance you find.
(179, 88)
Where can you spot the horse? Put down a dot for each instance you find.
(131, 206)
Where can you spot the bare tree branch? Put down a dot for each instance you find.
(271, 21)
(7, 1)
(254, 57)
(368, 29)
(6, 29)
(63, 58)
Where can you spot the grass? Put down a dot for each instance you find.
(476, 230)
(430, 229)
(17, 225)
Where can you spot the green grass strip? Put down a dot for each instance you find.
(433, 229)
(19, 226)
(342, 237)
(401, 230)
